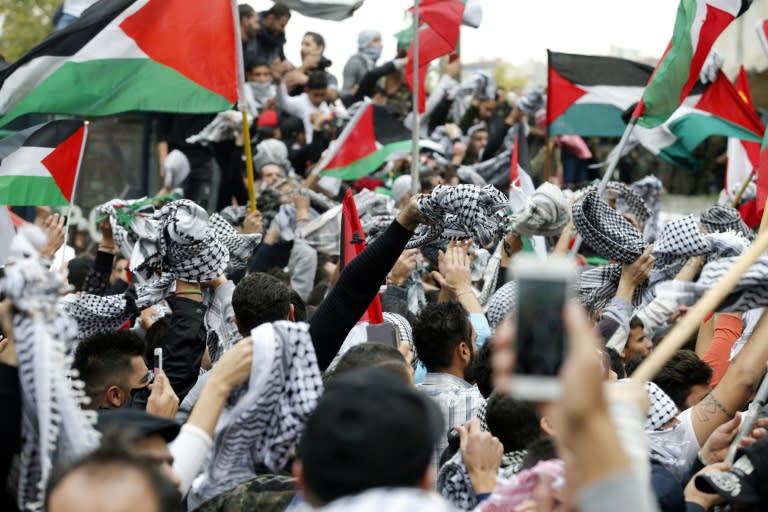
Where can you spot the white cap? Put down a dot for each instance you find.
(400, 187)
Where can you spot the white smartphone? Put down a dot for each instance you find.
(543, 289)
(158, 360)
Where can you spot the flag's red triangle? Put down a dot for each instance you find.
(197, 39)
(431, 46)
(722, 100)
(63, 161)
(561, 95)
(445, 18)
(360, 143)
(742, 86)
(514, 173)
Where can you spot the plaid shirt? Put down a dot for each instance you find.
(459, 402)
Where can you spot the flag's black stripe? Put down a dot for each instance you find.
(596, 70)
(71, 39)
(387, 128)
(744, 6)
(48, 135)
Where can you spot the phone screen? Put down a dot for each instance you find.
(158, 360)
(540, 344)
(382, 333)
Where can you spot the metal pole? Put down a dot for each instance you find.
(415, 163)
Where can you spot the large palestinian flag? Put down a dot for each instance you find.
(367, 141)
(39, 165)
(130, 55)
(587, 94)
(697, 26)
(719, 110)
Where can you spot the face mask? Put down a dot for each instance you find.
(262, 92)
(372, 52)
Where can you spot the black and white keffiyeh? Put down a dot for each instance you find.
(545, 213)
(454, 485)
(94, 314)
(127, 229)
(605, 230)
(406, 333)
(663, 409)
(464, 211)
(55, 428)
(264, 418)
(596, 286)
(240, 246)
(648, 189)
(502, 302)
(627, 200)
(719, 219)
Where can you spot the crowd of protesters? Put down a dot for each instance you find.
(275, 394)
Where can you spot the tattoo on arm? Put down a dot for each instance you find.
(709, 407)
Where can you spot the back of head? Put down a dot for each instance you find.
(514, 422)
(437, 331)
(104, 359)
(77, 271)
(260, 298)
(373, 355)
(278, 10)
(369, 430)
(299, 307)
(683, 371)
(245, 11)
(317, 80)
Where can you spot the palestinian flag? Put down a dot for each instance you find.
(130, 55)
(367, 141)
(719, 110)
(698, 25)
(587, 94)
(742, 155)
(334, 10)
(39, 165)
(353, 243)
(520, 182)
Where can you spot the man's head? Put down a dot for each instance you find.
(112, 366)
(317, 87)
(353, 441)
(369, 44)
(115, 479)
(119, 270)
(257, 70)
(638, 343)
(514, 422)
(258, 299)
(445, 339)
(485, 108)
(249, 21)
(373, 355)
(276, 18)
(685, 378)
(478, 140)
(271, 174)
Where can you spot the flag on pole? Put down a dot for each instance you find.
(334, 10)
(352, 244)
(698, 25)
(520, 182)
(762, 34)
(367, 141)
(587, 94)
(742, 87)
(130, 55)
(743, 155)
(39, 165)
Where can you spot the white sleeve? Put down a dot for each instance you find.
(290, 104)
(189, 450)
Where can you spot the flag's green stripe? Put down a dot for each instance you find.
(589, 119)
(692, 129)
(368, 164)
(677, 155)
(30, 191)
(112, 86)
(662, 95)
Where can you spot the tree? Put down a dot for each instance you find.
(509, 77)
(24, 24)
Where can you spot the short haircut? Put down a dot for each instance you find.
(245, 11)
(104, 359)
(278, 10)
(277, 272)
(635, 323)
(483, 370)
(317, 38)
(260, 298)
(683, 371)
(113, 460)
(77, 270)
(631, 365)
(617, 365)
(372, 355)
(540, 450)
(256, 62)
(299, 307)
(514, 422)
(438, 330)
(317, 80)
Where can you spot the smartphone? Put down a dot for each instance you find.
(383, 333)
(158, 360)
(543, 289)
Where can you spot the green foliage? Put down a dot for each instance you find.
(24, 23)
(509, 77)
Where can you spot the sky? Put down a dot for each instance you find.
(515, 31)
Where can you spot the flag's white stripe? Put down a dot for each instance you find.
(112, 42)
(739, 166)
(7, 232)
(732, 7)
(26, 161)
(32, 73)
(621, 96)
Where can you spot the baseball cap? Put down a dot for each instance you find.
(143, 422)
(746, 482)
(369, 429)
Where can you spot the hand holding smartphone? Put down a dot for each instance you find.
(158, 363)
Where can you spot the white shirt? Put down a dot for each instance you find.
(301, 107)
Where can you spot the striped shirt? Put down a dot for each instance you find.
(458, 400)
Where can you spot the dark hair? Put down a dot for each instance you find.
(317, 294)
(77, 271)
(317, 80)
(299, 307)
(514, 422)
(631, 365)
(245, 11)
(438, 330)
(317, 38)
(617, 365)
(156, 336)
(256, 62)
(278, 10)
(635, 323)
(683, 371)
(539, 450)
(106, 356)
(114, 456)
(372, 355)
(283, 276)
(259, 298)
(483, 370)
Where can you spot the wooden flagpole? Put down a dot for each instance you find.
(740, 194)
(416, 125)
(248, 158)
